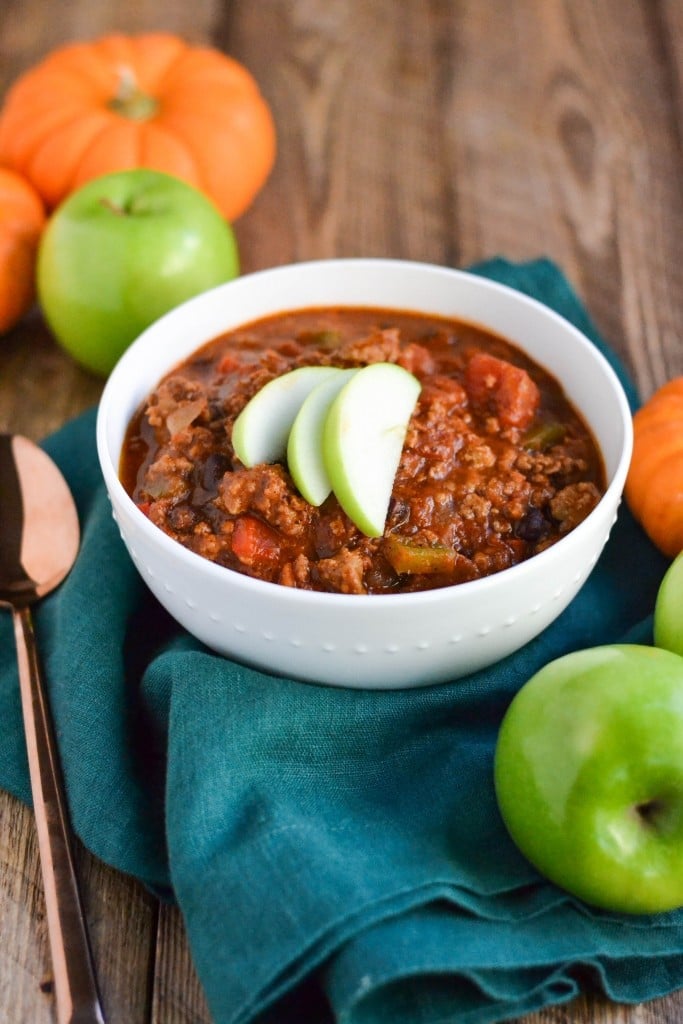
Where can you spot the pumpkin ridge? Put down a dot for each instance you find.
(107, 154)
(151, 154)
(220, 168)
(88, 73)
(207, 83)
(42, 156)
(116, 51)
(144, 57)
(41, 90)
(168, 72)
(19, 137)
(146, 72)
(201, 166)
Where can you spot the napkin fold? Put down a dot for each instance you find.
(337, 854)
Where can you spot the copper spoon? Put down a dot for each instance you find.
(39, 538)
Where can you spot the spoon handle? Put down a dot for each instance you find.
(77, 997)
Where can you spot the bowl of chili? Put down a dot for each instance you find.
(510, 477)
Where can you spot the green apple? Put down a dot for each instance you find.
(121, 251)
(305, 444)
(363, 439)
(589, 776)
(261, 430)
(668, 627)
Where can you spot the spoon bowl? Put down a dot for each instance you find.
(40, 531)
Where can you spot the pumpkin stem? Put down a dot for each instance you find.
(130, 101)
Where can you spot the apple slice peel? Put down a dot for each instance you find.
(261, 430)
(305, 445)
(363, 439)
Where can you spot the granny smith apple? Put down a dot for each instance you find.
(589, 776)
(121, 251)
(668, 627)
(305, 444)
(341, 430)
(261, 430)
(363, 439)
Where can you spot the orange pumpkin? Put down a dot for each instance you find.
(654, 486)
(139, 101)
(22, 217)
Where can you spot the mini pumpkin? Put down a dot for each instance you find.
(139, 101)
(22, 217)
(654, 486)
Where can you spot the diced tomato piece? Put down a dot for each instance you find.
(507, 390)
(144, 507)
(254, 542)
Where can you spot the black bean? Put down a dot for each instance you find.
(533, 526)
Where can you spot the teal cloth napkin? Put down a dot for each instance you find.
(337, 854)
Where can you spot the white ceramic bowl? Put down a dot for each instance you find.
(378, 641)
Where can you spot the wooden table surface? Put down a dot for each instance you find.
(437, 130)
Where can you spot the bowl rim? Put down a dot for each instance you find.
(298, 597)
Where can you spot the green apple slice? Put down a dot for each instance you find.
(363, 439)
(260, 432)
(305, 444)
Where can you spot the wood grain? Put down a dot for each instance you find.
(25, 978)
(177, 995)
(437, 130)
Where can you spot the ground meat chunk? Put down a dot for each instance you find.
(168, 477)
(435, 436)
(378, 347)
(343, 572)
(177, 402)
(417, 359)
(493, 558)
(296, 573)
(268, 491)
(208, 545)
(573, 503)
(477, 454)
(441, 397)
(551, 463)
(475, 507)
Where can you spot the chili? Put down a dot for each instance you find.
(497, 464)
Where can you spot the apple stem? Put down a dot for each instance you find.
(130, 101)
(120, 211)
